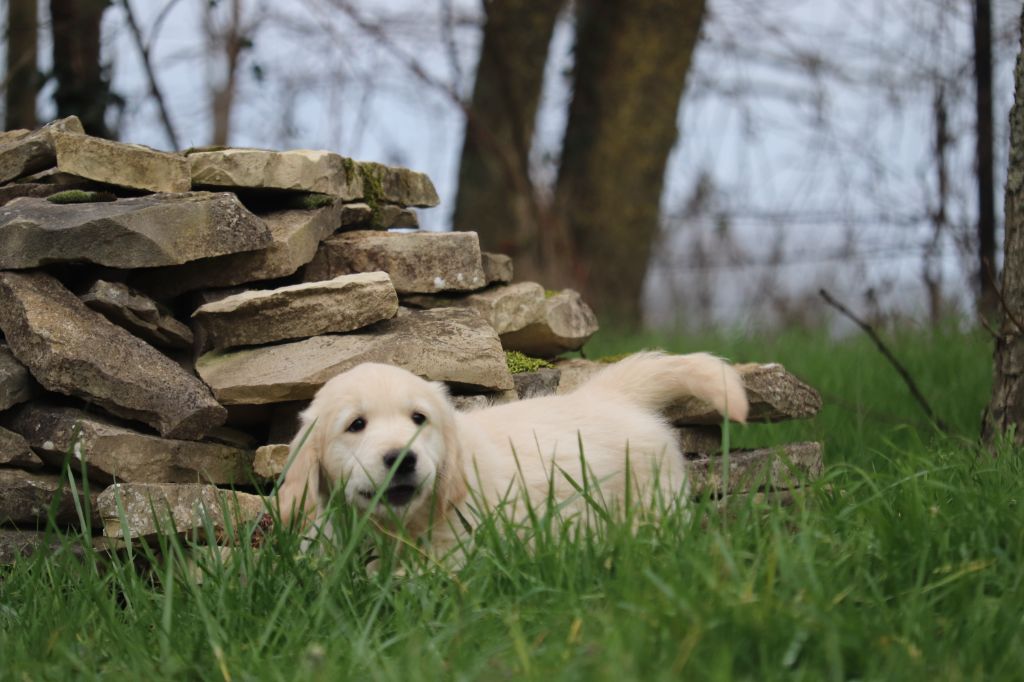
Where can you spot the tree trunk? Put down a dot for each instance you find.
(632, 58)
(985, 156)
(496, 197)
(1006, 409)
(82, 86)
(225, 44)
(22, 65)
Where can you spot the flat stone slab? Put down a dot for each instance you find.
(300, 170)
(566, 323)
(23, 152)
(25, 499)
(143, 510)
(138, 313)
(271, 460)
(418, 262)
(15, 451)
(784, 467)
(389, 217)
(506, 308)
(107, 452)
(117, 163)
(394, 185)
(447, 344)
(298, 311)
(73, 350)
(16, 383)
(294, 238)
(138, 232)
(497, 267)
(540, 382)
(774, 394)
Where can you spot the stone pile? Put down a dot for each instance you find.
(165, 316)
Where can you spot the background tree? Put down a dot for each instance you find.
(1006, 409)
(22, 80)
(83, 86)
(496, 196)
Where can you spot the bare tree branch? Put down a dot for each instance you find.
(154, 88)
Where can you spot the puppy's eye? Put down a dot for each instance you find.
(357, 425)
(419, 418)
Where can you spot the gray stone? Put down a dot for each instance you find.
(19, 544)
(15, 452)
(23, 152)
(295, 235)
(389, 216)
(784, 467)
(271, 460)
(468, 403)
(137, 313)
(73, 350)
(393, 185)
(774, 394)
(148, 231)
(298, 311)
(418, 262)
(38, 190)
(26, 498)
(507, 308)
(300, 170)
(144, 510)
(16, 383)
(447, 344)
(117, 163)
(565, 325)
(543, 381)
(106, 451)
(497, 267)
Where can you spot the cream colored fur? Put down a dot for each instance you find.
(512, 454)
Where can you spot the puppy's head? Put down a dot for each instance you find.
(380, 437)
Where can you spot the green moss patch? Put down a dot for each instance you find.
(80, 196)
(520, 363)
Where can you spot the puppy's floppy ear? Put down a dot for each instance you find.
(451, 485)
(299, 493)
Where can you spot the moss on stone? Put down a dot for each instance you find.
(609, 359)
(551, 293)
(519, 363)
(80, 196)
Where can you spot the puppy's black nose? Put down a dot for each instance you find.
(407, 465)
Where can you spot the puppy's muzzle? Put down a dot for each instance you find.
(403, 485)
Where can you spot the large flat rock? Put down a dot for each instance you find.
(106, 451)
(116, 163)
(447, 344)
(294, 238)
(23, 152)
(298, 311)
(418, 262)
(299, 170)
(73, 350)
(774, 394)
(16, 383)
(138, 313)
(26, 497)
(506, 308)
(139, 232)
(784, 467)
(565, 324)
(393, 185)
(144, 510)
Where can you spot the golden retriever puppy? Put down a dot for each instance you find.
(391, 443)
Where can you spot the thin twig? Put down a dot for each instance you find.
(154, 89)
(884, 350)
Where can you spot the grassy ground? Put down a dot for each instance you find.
(904, 563)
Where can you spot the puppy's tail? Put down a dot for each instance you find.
(655, 380)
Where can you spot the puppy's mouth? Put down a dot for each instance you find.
(396, 495)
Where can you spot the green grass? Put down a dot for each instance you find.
(903, 562)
